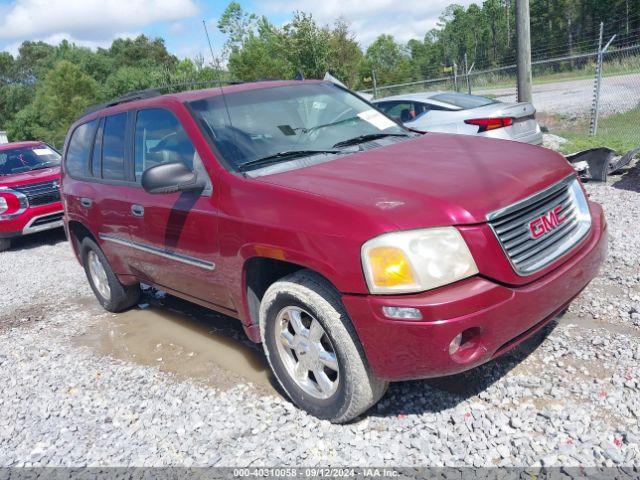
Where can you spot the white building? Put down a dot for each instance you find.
(3, 137)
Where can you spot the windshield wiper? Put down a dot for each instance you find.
(366, 138)
(44, 165)
(281, 156)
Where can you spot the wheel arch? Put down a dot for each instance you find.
(258, 274)
(77, 233)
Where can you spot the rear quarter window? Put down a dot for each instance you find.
(77, 157)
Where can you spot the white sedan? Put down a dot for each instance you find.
(465, 114)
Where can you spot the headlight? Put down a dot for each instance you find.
(416, 260)
(12, 203)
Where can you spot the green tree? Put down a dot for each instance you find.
(261, 55)
(345, 54)
(34, 60)
(141, 52)
(128, 79)
(307, 45)
(388, 59)
(236, 24)
(63, 95)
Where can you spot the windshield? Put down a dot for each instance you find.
(463, 101)
(308, 119)
(25, 159)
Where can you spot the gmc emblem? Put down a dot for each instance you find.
(544, 224)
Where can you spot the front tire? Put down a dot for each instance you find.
(314, 351)
(112, 295)
(5, 244)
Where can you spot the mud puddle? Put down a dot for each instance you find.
(183, 339)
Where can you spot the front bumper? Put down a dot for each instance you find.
(33, 220)
(497, 317)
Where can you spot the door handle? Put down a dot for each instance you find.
(137, 210)
(86, 202)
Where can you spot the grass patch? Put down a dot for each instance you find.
(620, 132)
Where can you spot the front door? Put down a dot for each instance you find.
(177, 233)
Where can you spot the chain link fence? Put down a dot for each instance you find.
(592, 95)
(448, 83)
(616, 110)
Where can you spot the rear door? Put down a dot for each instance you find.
(177, 232)
(111, 207)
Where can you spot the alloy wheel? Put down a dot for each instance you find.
(98, 275)
(307, 352)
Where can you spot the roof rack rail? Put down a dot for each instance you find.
(127, 97)
(155, 92)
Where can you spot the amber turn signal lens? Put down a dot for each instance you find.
(390, 267)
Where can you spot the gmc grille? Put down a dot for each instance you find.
(532, 242)
(41, 193)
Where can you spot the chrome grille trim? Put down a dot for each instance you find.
(510, 225)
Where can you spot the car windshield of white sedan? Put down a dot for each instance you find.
(464, 101)
(20, 160)
(255, 128)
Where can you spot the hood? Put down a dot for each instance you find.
(27, 178)
(434, 180)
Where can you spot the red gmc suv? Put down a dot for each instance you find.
(356, 251)
(29, 190)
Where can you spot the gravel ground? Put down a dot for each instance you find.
(569, 397)
(574, 98)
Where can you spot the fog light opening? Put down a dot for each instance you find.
(402, 313)
(455, 344)
(466, 344)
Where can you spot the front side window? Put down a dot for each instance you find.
(113, 143)
(77, 156)
(399, 111)
(309, 118)
(160, 138)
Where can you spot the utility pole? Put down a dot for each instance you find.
(455, 76)
(375, 84)
(523, 32)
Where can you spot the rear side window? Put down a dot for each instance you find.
(160, 138)
(113, 143)
(77, 158)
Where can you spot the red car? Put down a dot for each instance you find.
(29, 190)
(356, 251)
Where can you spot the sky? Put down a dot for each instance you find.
(95, 23)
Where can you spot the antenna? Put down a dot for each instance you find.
(216, 63)
(206, 32)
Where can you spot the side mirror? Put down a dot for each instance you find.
(169, 178)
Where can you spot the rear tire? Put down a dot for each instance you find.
(5, 244)
(314, 350)
(112, 295)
